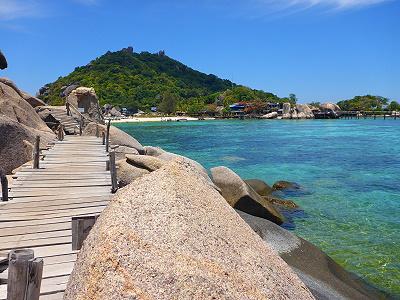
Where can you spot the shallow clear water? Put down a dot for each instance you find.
(349, 170)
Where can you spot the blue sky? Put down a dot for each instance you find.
(321, 50)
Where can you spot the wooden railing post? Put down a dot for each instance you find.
(24, 275)
(81, 227)
(36, 153)
(97, 130)
(103, 136)
(108, 135)
(60, 132)
(4, 185)
(113, 171)
(80, 125)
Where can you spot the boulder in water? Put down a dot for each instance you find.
(323, 276)
(260, 186)
(285, 185)
(330, 106)
(272, 115)
(241, 196)
(304, 111)
(169, 235)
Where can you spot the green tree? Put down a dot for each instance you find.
(292, 99)
(168, 103)
(394, 106)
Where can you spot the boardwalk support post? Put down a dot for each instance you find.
(113, 171)
(24, 275)
(60, 132)
(108, 135)
(80, 126)
(103, 135)
(81, 227)
(4, 185)
(36, 153)
(97, 130)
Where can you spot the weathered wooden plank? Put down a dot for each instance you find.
(35, 228)
(50, 211)
(84, 198)
(51, 205)
(49, 185)
(55, 214)
(36, 243)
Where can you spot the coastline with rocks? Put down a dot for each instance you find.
(177, 230)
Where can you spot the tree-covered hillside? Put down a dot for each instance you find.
(139, 80)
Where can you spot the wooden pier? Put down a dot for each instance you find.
(71, 181)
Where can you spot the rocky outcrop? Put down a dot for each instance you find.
(325, 278)
(330, 106)
(153, 151)
(284, 185)
(286, 111)
(241, 196)
(3, 61)
(16, 143)
(117, 136)
(122, 151)
(126, 173)
(304, 111)
(33, 101)
(259, 186)
(66, 90)
(20, 124)
(281, 202)
(272, 115)
(149, 163)
(169, 235)
(86, 98)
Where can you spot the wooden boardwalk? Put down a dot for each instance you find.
(72, 181)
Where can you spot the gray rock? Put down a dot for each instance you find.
(330, 106)
(304, 111)
(260, 186)
(241, 196)
(272, 115)
(323, 276)
(126, 173)
(3, 61)
(117, 136)
(284, 185)
(149, 163)
(115, 113)
(33, 101)
(169, 235)
(67, 90)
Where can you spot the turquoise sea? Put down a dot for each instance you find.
(349, 171)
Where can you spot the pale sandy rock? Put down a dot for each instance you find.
(330, 106)
(121, 151)
(169, 235)
(86, 98)
(324, 277)
(117, 136)
(272, 115)
(147, 162)
(259, 186)
(241, 196)
(33, 101)
(126, 173)
(153, 151)
(304, 111)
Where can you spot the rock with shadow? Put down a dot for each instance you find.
(241, 196)
(323, 276)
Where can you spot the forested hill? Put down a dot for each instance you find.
(139, 80)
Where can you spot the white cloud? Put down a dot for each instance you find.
(336, 4)
(13, 9)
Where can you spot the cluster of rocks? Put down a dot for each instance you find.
(19, 126)
(301, 111)
(111, 111)
(170, 226)
(86, 99)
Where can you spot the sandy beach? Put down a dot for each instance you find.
(157, 119)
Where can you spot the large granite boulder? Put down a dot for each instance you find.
(122, 151)
(3, 61)
(169, 235)
(322, 275)
(147, 162)
(260, 186)
(86, 98)
(117, 136)
(33, 101)
(330, 106)
(16, 143)
(304, 111)
(126, 173)
(241, 196)
(20, 124)
(153, 151)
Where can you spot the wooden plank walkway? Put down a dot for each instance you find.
(72, 181)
